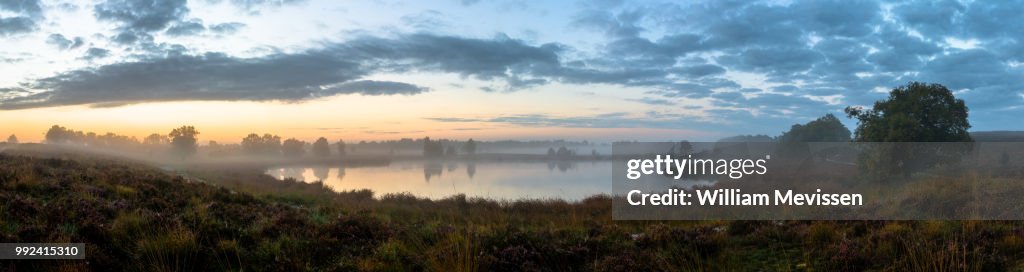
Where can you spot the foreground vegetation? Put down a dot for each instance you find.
(134, 216)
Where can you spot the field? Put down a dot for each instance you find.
(138, 216)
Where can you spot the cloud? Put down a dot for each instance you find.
(702, 70)
(371, 87)
(27, 12)
(430, 20)
(213, 76)
(254, 3)
(205, 77)
(750, 59)
(227, 28)
(328, 71)
(142, 15)
(781, 61)
(16, 25)
(187, 28)
(484, 59)
(63, 43)
(30, 7)
(96, 53)
(654, 101)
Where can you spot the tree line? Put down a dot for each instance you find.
(184, 142)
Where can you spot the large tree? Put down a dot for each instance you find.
(469, 147)
(58, 135)
(267, 144)
(293, 148)
(917, 112)
(432, 149)
(828, 128)
(321, 148)
(184, 141)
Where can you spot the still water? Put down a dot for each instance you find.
(494, 180)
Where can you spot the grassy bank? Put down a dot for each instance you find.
(135, 216)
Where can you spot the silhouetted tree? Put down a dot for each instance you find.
(432, 149)
(450, 151)
(917, 112)
(215, 149)
(155, 142)
(469, 147)
(61, 135)
(12, 139)
(183, 141)
(824, 129)
(268, 144)
(58, 135)
(321, 148)
(252, 143)
(685, 148)
(293, 148)
(271, 144)
(341, 148)
(551, 152)
(564, 153)
(155, 139)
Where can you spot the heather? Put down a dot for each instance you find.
(135, 216)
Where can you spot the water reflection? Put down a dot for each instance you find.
(561, 165)
(432, 169)
(321, 172)
(496, 180)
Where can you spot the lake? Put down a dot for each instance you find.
(493, 180)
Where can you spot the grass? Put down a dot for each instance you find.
(133, 216)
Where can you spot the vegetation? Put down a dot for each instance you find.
(293, 148)
(184, 141)
(432, 149)
(321, 148)
(469, 147)
(917, 112)
(824, 129)
(136, 217)
(268, 144)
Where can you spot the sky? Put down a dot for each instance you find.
(493, 69)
